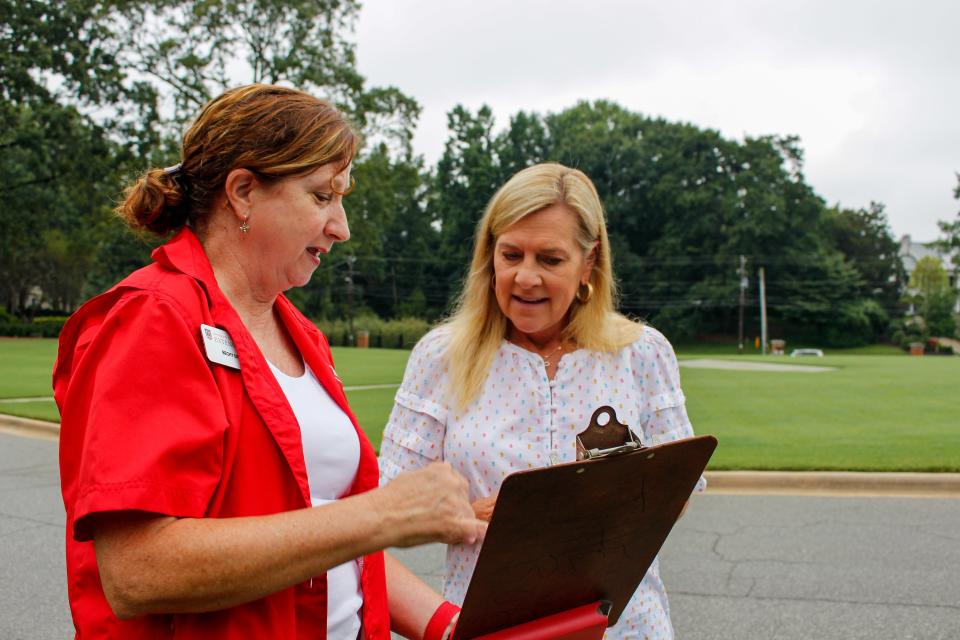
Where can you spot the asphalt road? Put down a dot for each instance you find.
(736, 567)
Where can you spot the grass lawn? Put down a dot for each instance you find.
(372, 408)
(877, 413)
(711, 349)
(361, 367)
(39, 410)
(26, 365)
(884, 412)
(370, 366)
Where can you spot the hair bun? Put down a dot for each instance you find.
(276, 131)
(152, 203)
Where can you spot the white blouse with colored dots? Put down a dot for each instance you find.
(521, 420)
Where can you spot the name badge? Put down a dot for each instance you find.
(219, 346)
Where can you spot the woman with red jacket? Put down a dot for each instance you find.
(215, 481)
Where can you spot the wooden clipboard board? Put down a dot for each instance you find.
(575, 533)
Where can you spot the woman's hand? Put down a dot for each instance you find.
(430, 505)
(483, 507)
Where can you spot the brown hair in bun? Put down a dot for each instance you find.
(273, 131)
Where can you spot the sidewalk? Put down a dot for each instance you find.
(796, 483)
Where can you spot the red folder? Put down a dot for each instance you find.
(582, 623)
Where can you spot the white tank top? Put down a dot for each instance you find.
(331, 451)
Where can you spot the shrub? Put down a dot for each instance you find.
(401, 333)
(857, 323)
(40, 328)
(937, 311)
(906, 331)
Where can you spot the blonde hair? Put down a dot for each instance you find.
(477, 326)
(273, 131)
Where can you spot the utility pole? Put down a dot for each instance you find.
(349, 279)
(743, 290)
(763, 314)
(393, 279)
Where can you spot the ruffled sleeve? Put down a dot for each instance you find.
(416, 428)
(663, 413)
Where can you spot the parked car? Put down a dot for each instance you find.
(818, 353)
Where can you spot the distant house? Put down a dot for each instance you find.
(912, 252)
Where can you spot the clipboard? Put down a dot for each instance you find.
(564, 536)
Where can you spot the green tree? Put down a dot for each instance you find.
(606, 142)
(929, 277)
(467, 175)
(408, 285)
(684, 203)
(94, 92)
(935, 296)
(59, 182)
(938, 313)
(59, 74)
(392, 241)
(191, 50)
(865, 239)
(522, 144)
(51, 50)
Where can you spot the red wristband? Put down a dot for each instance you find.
(440, 620)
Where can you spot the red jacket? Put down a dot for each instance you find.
(149, 424)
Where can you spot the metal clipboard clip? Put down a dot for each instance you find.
(605, 440)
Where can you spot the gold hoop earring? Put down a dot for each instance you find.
(582, 297)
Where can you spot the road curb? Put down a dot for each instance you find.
(835, 483)
(839, 483)
(29, 427)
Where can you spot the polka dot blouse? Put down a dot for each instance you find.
(522, 420)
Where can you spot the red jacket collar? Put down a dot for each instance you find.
(185, 254)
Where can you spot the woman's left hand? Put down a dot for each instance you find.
(483, 507)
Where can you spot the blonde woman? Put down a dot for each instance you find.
(534, 346)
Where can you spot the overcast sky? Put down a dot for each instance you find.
(871, 88)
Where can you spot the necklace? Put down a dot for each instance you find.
(545, 357)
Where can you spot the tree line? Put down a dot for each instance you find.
(94, 92)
